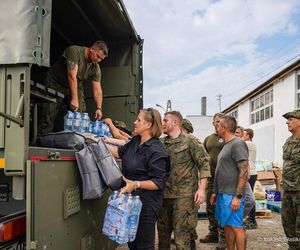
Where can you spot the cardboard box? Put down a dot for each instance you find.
(266, 177)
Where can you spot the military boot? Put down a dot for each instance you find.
(193, 245)
(210, 238)
(221, 245)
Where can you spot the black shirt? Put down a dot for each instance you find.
(148, 161)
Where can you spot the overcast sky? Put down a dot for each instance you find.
(198, 48)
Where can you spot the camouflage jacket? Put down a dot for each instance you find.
(188, 158)
(291, 165)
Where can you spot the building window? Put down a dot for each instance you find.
(298, 91)
(235, 114)
(261, 106)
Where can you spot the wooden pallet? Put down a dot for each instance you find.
(263, 214)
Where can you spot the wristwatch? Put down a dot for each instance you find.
(239, 196)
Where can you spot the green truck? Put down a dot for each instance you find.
(41, 205)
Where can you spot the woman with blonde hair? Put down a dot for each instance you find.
(146, 167)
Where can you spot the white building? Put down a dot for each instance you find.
(202, 125)
(262, 110)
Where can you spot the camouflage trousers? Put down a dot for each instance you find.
(52, 113)
(193, 232)
(291, 218)
(210, 209)
(178, 215)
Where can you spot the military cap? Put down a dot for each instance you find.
(187, 125)
(120, 124)
(295, 114)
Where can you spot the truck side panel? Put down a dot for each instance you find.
(60, 218)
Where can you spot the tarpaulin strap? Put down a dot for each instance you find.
(39, 22)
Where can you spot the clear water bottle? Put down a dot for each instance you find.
(76, 122)
(68, 121)
(133, 219)
(122, 236)
(105, 130)
(95, 128)
(110, 220)
(113, 196)
(84, 125)
(91, 127)
(100, 128)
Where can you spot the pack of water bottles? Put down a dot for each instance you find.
(122, 217)
(75, 121)
(99, 128)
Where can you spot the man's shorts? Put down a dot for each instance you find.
(225, 215)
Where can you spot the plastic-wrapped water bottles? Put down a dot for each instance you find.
(133, 219)
(110, 225)
(85, 120)
(105, 130)
(68, 120)
(76, 122)
(100, 131)
(122, 225)
(122, 217)
(95, 127)
(99, 128)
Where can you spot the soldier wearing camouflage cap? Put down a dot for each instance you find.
(187, 125)
(291, 181)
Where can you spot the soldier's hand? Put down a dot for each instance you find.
(74, 104)
(213, 199)
(199, 197)
(98, 114)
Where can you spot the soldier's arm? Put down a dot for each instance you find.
(201, 158)
(97, 92)
(205, 144)
(243, 177)
(72, 69)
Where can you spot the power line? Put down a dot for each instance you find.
(262, 76)
(284, 48)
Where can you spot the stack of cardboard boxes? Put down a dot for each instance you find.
(271, 181)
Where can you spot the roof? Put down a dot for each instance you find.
(270, 82)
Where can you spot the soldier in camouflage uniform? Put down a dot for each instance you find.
(183, 189)
(187, 128)
(213, 145)
(68, 76)
(291, 181)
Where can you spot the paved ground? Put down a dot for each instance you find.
(269, 235)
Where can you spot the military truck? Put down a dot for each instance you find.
(40, 188)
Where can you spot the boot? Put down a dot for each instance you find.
(193, 245)
(210, 238)
(221, 245)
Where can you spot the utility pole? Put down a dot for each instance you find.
(219, 96)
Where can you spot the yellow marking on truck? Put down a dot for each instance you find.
(2, 162)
